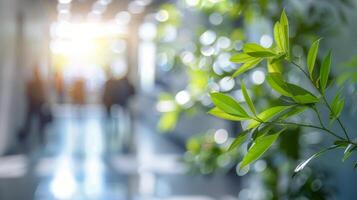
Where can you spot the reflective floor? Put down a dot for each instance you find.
(89, 157)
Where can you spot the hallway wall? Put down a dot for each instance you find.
(23, 39)
(7, 69)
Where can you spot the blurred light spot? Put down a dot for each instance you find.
(98, 8)
(244, 194)
(187, 57)
(215, 18)
(204, 62)
(105, 2)
(192, 2)
(64, 185)
(226, 83)
(147, 58)
(119, 67)
(147, 31)
(170, 33)
(63, 7)
(122, 18)
(223, 160)
(163, 61)
(316, 185)
(238, 45)
(223, 42)
(213, 87)
(208, 37)
(147, 184)
(266, 41)
(224, 62)
(217, 69)
(242, 172)
(238, 94)
(135, 7)
(143, 2)
(119, 46)
(183, 97)
(162, 16)
(258, 77)
(207, 51)
(205, 100)
(221, 136)
(260, 165)
(64, 1)
(165, 106)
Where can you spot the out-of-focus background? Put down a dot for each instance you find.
(107, 99)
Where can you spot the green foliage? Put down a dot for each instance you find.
(311, 57)
(336, 106)
(247, 66)
(265, 116)
(274, 117)
(238, 140)
(260, 145)
(228, 104)
(324, 72)
(247, 98)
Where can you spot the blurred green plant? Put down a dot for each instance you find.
(297, 99)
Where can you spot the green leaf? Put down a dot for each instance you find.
(311, 57)
(293, 111)
(241, 58)
(325, 71)
(274, 67)
(259, 147)
(276, 81)
(336, 106)
(247, 66)
(238, 140)
(228, 104)
(259, 132)
(348, 151)
(303, 164)
(256, 50)
(342, 143)
(285, 30)
(220, 114)
(266, 115)
(247, 98)
(279, 37)
(301, 95)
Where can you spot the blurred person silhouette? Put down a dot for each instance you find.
(78, 95)
(108, 94)
(59, 86)
(78, 91)
(117, 92)
(38, 110)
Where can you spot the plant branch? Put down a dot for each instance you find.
(304, 125)
(324, 99)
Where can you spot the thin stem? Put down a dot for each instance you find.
(318, 116)
(338, 119)
(324, 98)
(304, 125)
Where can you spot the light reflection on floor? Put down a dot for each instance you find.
(79, 164)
